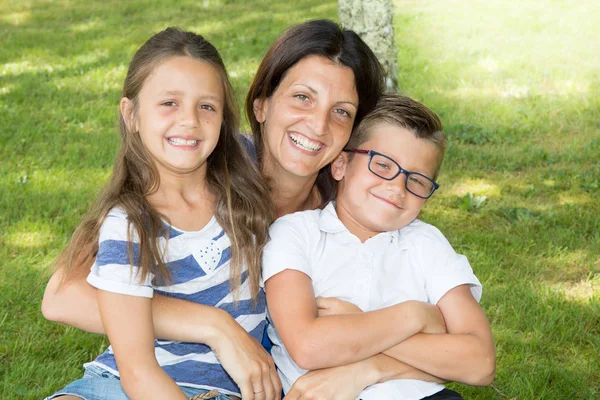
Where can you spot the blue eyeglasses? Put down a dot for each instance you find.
(388, 169)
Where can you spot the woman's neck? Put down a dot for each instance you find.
(291, 194)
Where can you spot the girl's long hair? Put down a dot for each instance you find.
(243, 206)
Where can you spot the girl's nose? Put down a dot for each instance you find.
(188, 117)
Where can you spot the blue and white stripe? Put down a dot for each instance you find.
(199, 267)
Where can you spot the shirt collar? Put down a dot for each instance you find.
(330, 223)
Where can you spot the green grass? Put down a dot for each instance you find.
(517, 85)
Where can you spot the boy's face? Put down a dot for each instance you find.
(368, 204)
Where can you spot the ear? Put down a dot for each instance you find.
(338, 166)
(127, 111)
(260, 107)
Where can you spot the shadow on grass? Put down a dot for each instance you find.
(525, 239)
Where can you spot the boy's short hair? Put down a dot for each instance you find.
(402, 111)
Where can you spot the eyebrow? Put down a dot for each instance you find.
(314, 91)
(179, 92)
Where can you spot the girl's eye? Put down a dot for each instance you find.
(207, 107)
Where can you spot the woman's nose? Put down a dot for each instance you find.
(319, 121)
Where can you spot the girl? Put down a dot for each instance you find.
(168, 222)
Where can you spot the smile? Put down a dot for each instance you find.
(391, 203)
(182, 142)
(306, 144)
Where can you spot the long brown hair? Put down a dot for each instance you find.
(243, 206)
(322, 38)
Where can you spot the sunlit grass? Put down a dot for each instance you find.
(517, 85)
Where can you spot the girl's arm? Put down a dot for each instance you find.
(75, 303)
(128, 323)
(465, 354)
(316, 343)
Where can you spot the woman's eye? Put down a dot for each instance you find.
(383, 165)
(301, 97)
(343, 112)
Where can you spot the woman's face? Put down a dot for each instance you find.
(309, 117)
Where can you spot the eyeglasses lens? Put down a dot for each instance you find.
(387, 169)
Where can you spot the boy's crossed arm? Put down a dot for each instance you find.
(465, 353)
(316, 343)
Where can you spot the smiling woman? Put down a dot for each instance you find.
(308, 118)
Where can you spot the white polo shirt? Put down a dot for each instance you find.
(413, 263)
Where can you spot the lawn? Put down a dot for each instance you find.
(517, 85)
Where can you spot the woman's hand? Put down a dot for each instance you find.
(337, 383)
(247, 362)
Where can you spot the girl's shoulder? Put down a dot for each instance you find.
(116, 226)
(117, 212)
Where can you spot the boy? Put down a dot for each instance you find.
(368, 248)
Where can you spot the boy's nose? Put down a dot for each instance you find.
(398, 184)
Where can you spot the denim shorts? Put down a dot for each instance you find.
(99, 384)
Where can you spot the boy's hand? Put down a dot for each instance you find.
(335, 306)
(433, 320)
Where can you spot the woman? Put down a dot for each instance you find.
(313, 86)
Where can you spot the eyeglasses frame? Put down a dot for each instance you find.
(401, 170)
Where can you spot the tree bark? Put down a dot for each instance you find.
(373, 21)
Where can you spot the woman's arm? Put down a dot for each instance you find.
(347, 381)
(128, 323)
(315, 343)
(75, 303)
(465, 354)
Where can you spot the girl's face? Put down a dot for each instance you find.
(308, 119)
(179, 114)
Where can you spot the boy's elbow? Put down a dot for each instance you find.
(306, 355)
(484, 375)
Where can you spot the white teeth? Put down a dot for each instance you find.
(304, 143)
(182, 142)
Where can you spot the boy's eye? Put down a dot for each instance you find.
(382, 165)
(419, 180)
(169, 103)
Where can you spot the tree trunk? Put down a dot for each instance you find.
(373, 21)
